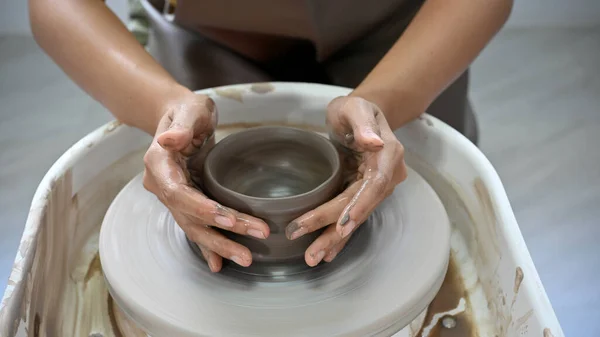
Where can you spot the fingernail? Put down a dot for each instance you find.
(345, 219)
(211, 265)
(238, 260)
(332, 254)
(168, 141)
(372, 134)
(256, 233)
(291, 229)
(298, 233)
(320, 255)
(223, 221)
(348, 228)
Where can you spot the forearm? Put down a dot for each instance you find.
(439, 44)
(96, 51)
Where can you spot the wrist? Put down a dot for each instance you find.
(399, 106)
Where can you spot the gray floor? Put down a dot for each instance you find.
(537, 95)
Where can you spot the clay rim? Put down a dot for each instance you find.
(334, 155)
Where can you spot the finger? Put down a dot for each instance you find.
(215, 262)
(357, 124)
(191, 202)
(372, 191)
(209, 212)
(318, 249)
(170, 186)
(249, 225)
(365, 130)
(333, 252)
(219, 244)
(322, 216)
(382, 171)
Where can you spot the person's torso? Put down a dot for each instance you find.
(262, 28)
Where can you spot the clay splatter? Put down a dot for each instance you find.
(94, 268)
(484, 197)
(548, 333)
(36, 325)
(427, 120)
(522, 320)
(489, 210)
(232, 93)
(262, 88)
(518, 280)
(113, 319)
(449, 302)
(112, 126)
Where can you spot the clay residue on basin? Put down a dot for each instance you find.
(232, 93)
(112, 126)
(449, 314)
(518, 280)
(262, 88)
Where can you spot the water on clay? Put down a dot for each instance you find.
(447, 299)
(265, 173)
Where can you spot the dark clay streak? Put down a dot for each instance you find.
(113, 319)
(93, 268)
(36, 325)
(290, 229)
(518, 280)
(353, 202)
(222, 210)
(348, 139)
(345, 219)
(452, 290)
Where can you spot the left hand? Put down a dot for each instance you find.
(373, 159)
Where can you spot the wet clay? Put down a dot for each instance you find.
(448, 298)
(277, 166)
(276, 174)
(232, 127)
(139, 259)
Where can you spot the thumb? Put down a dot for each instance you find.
(188, 127)
(179, 133)
(366, 132)
(367, 137)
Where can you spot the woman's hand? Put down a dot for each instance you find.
(184, 134)
(373, 159)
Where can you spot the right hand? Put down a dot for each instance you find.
(186, 131)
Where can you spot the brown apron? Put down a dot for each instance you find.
(220, 42)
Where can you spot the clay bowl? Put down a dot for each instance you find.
(276, 174)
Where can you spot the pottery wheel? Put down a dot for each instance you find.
(388, 273)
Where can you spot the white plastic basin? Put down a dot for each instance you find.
(56, 286)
